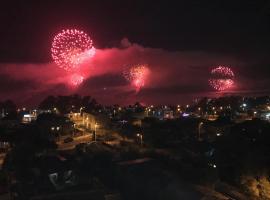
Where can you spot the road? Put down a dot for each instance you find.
(76, 141)
(2, 157)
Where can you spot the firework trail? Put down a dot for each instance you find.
(137, 75)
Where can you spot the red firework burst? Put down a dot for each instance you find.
(222, 78)
(76, 80)
(70, 48)
(137, 75)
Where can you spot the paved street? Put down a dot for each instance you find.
(2, 157)
(76, 141)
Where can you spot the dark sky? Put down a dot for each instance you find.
(221, 26)
(236, 31)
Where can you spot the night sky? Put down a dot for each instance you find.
(179, 40)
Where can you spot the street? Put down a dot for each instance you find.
(2, 157)
(76, 141)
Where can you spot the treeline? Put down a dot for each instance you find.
(66, 104)
(8, 109)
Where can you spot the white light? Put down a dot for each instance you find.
(185, 115)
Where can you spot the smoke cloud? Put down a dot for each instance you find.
(176, 77)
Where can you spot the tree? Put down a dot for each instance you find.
(138, 107)
(48, 103)
(67, 104)
(30, 141)
(257, 185)
(9, 109)
(244, 155)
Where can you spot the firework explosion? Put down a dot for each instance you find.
(137, 76)
(76, 80)
(70, 48)
(222, 78)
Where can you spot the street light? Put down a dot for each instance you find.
(95, 135)
(87, 121)
(199, 130)
(141, 138)
(81, 110)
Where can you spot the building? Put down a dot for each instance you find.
(27, 118)
(89, 120)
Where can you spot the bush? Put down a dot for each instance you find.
(257, 186)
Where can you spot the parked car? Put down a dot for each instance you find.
(69, 139)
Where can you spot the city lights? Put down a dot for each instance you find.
(125, 100)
